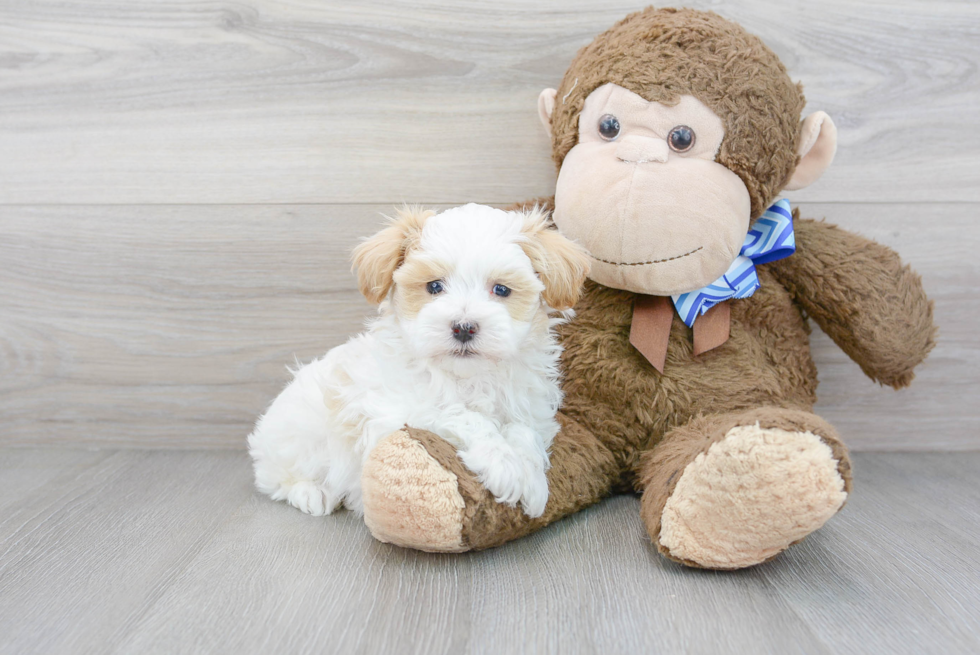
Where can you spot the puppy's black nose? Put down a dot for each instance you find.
(463, 332)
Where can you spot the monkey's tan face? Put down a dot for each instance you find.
(643, 193)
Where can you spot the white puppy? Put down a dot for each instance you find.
(463, 347)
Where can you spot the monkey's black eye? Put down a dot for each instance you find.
(501, 290)
(609, 127)
(681, 138)
(434, 287)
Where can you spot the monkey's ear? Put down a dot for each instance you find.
(561, 263)
(546, 105)
(377, 258)
(818, 144)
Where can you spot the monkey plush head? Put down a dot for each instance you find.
(672, 132)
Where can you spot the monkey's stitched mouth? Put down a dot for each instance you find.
(654, 261)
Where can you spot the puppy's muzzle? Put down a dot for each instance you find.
(463, 332)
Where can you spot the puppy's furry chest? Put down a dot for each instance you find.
(500, 396)
(483, 394)
(368, 382)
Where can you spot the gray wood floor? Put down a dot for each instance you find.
(129, 551)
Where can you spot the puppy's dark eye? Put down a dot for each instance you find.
(681, 138)
(434, 287)
(609, 127)
(501, 290)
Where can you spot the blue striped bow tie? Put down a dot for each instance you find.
(770, 238)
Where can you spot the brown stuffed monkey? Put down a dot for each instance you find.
(688, 375)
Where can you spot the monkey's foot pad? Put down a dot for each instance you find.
(749, 497)
(409, 499)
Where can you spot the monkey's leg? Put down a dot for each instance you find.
(728, 491)
(418, 494)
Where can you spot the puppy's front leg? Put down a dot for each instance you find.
(505, 463)
(529, 447)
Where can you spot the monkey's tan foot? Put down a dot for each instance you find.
(409, 498)
(731, 491)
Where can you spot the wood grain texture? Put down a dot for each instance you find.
(173, 552)
(166, 326)
(262, 101)
(598, 571)
(104, 542)
(23, 473)
(172, 326)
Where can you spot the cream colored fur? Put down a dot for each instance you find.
(734, 505)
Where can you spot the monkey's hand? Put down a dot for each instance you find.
(861, 295)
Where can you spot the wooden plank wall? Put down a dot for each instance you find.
(180, 184)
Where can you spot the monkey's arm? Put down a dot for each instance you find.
(861, 295)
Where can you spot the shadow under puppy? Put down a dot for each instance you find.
(463, 346)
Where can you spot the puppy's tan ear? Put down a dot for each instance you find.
(561, 263)
(377, 258)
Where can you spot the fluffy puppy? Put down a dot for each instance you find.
(463, 347)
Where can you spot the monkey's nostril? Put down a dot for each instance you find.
(463, 332)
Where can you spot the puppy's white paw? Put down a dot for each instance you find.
(311, 498)
(535, 496)
(510, 477)
(499, 469)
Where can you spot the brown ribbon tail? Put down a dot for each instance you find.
(650, 329)
(712, 328)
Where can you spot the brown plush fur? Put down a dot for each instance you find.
(662, 54)
(627, 426)
(581, 471)
(863, 297)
